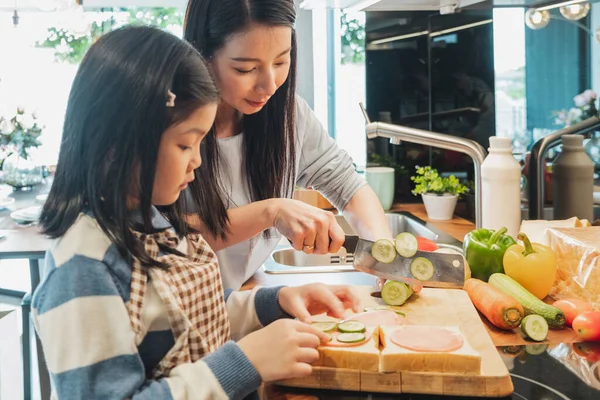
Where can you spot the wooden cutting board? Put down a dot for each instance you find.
(437, 307)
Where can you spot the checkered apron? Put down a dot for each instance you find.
(192, 292)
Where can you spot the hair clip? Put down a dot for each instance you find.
(171, 101)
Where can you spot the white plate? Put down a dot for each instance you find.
(29, 214)
(41, 198)
(596, 197)
(6, 201)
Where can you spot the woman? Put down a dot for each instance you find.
(266, 141)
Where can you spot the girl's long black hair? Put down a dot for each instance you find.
(269, 135)
(115, 117)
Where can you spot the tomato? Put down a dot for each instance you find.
(572, 308)
(426, 244)
(589, 351)
(587, 325)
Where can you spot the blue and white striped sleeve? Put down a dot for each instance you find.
(250, 310)
(90, 349)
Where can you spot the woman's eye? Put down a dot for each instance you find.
(182, 147)
(279, 64)
(244, 71)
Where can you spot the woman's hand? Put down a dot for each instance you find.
(303, 301)
(284, 349)
(308, 228)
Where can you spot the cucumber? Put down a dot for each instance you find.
(531, 304)
(383, 251)
(422, 269)
(535, 327)
(406, 244)
(395, 293)
(325, 326)
(351, 337)
(352, 327)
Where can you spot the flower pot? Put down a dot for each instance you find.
(439, 207)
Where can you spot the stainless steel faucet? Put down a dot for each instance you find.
(397, 134)
(535, 176)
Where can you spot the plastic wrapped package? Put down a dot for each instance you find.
(578, 263)
(587, 368)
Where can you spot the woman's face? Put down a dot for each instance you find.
(252, 66)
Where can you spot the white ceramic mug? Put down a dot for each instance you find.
(381, 180)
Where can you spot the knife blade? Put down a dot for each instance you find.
(448, 269)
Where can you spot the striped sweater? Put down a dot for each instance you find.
(80, 314)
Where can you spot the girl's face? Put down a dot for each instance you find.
(252, 66)
(179, 155)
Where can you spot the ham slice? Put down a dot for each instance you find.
(335, 343)
(427, 339)
(379, 317)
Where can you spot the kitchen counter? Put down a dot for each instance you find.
(545, 376)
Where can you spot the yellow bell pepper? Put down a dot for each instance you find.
(533, 265)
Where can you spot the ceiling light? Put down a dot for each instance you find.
(536, 18)
(575, 11)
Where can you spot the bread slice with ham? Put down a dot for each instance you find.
(363, 356)
(420, 348)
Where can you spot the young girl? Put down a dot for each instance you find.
(267, 140)
(132, 305)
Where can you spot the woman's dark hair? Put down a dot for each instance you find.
(115, 117)
(269, 135)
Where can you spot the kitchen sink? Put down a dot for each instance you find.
(286, 260)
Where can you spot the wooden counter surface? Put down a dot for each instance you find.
(456, 227)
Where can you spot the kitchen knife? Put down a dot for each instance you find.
(448, 269)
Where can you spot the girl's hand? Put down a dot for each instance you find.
(304, 301)
(309, 229)
(284, 349)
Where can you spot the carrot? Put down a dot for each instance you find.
(502, 310)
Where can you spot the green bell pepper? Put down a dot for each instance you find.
(484, 251)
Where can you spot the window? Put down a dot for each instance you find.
(349, 84)
(44, 51)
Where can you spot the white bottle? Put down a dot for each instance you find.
(501, 188)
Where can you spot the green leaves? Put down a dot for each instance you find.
(70, 47)
(428, 180)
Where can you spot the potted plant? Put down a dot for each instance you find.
(439, 194)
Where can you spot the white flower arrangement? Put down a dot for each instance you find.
(19, 132)
(585, 107)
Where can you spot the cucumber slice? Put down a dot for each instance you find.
(536, 349)
(535, 327)
(383, 251)
(352, 327)
(395, 293)
(351, 337)
(325, 326)
(421, 268)
(406, 244)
